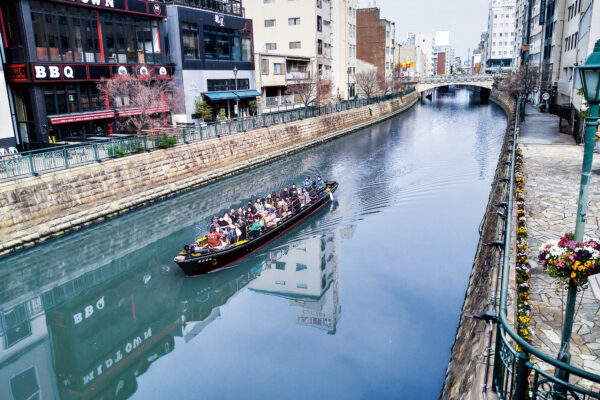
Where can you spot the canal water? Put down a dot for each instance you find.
(361, 301)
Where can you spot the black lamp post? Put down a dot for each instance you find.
(237, 98)
(590, 78)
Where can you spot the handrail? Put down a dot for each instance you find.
(503, 323)
(53, 158)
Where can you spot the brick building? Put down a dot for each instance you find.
(375, 40)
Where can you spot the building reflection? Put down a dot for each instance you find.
(306, 273)
(91, 337)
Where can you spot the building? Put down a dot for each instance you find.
(292, 43)
(375, 40)
(441, 63)
(408, 61)
(425, 42)
(7, 133)
(57, 51)
(211, 45)
(501, 36)
(580, 32)
(343, 27)
(521, 35)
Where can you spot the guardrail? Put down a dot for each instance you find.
(56, 158)
(517, 372)
(456, 78)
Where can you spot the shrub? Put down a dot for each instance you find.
(167, 142)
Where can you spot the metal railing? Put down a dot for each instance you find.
(518, 372)
(60, 157)
(456, 78)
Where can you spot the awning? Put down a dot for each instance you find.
(247, 93)
(65, 119)
(136, 111)
(221, 95)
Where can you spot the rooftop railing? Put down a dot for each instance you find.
(522, 371)
(61, 157)
(233, 7)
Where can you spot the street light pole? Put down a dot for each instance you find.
(590, 78)
(237, 98)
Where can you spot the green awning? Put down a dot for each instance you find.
(220, 95)
(247, 93)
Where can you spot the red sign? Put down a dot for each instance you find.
(16, 73)
(82, 117)
(137, 111)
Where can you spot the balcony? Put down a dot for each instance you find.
(233, 7)
(297, 75)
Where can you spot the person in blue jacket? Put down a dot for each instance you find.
(319, 184)
(307, 183)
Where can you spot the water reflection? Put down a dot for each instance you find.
(92, 337)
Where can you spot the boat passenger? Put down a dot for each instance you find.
(250, 207)
(305, 197)
(255, 228)
(258, 205)
(293, 188)
(307, 183)
(214, 238)
(312, 193)
(284, 194)
(271, 218)
(319, 184)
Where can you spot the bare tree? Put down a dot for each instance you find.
(309, 90)
(367, 82)
(514, 84)
(140, 100)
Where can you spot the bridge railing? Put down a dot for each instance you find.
(522, 371)
(459, 78)
(61, 157)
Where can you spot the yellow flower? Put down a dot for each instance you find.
(573, 274)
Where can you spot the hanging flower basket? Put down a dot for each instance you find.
(569, 261)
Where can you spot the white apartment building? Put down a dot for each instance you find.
(580, 32)
(426, 43)
(521, 18)
(343, 26)
(390, 47)
(292, 40)
(536, 44)
(501, 35)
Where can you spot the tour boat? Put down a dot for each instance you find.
(214, 259)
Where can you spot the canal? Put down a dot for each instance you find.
(360, 301)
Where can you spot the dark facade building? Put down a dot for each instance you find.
(57, 51)
(211, 46)
(441, 64)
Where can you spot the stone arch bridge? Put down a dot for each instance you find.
(432, 82)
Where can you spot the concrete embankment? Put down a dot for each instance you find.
(38, 208)
(465, 372)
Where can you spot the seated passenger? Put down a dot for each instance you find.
(250, 207)
(319, 184)
(312, 193)
(258, 205)
(294, 188)
(214, 238)
(307, 183)
(305, 197)
(255, 228)
(285, 193)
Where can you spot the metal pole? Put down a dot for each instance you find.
(524, 97)
(582, 205)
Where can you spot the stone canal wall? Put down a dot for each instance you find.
(37, 208)
(465, 372)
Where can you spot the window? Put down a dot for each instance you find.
(268, 1)
(319, 47)
(269, 23)
(64, 99)
(301, 285)
(319, 24)
(25, 386)
(270, 46)
(300, 267)
(191, 41)
(294, 21)
(319, 4)
(226, 44)
(264, 66)
(294, 45)
(219, 85)
(278, 69)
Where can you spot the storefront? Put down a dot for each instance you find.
(212, 50)
(59, 52)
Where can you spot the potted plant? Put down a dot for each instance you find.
(203, 110)
(222, 117)
(570, 262)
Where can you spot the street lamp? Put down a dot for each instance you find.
(237, 98)
(590, 78)
(349, 72)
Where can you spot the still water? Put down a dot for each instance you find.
(359, 302)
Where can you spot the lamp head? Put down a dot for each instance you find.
(589, 72)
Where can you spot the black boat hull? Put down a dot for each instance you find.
(211, 262)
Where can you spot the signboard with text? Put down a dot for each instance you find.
(58, 72)
(147, 7)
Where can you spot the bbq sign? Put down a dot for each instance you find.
(59, 72)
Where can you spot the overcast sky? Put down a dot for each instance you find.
(465, 19)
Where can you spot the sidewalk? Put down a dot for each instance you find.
(552, 166)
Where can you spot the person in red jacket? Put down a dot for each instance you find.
(213, 238)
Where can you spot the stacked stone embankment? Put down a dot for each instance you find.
(465, 372)
(37, 208)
